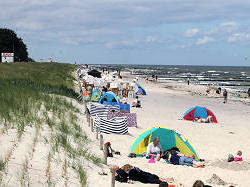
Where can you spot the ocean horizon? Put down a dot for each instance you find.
(234, 78)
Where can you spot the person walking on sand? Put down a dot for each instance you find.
(248, 92)
(225, 96)
(188, 81)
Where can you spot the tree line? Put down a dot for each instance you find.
(11, 43)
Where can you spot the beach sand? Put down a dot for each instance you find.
(213, 142)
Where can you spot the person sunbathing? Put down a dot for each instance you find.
(209, 119)
(127, 173)
(177, 158)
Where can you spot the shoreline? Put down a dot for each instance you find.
(197, 89)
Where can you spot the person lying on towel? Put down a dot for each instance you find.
(209, 119)
(154, 149)
(178, 158)
(127, 173)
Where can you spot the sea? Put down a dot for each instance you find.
(234, 78)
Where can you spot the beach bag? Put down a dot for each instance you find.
(230, 158)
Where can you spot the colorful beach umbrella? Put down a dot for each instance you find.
(200, 112)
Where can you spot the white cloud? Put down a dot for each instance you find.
(229, 26)
(191, 32)
(204, 40)
(239, 37)
(120, 15)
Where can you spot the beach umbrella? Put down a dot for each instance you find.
(200, 112)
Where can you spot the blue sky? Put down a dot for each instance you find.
(192, 32)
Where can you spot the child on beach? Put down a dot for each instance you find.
(237, 158)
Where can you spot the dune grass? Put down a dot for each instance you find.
(2, 165)
(34, 92)
(25, 86)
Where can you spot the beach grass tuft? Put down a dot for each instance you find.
(82, 174)
(2, 164)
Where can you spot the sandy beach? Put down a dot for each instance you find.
(29, 162)
(213, 142)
